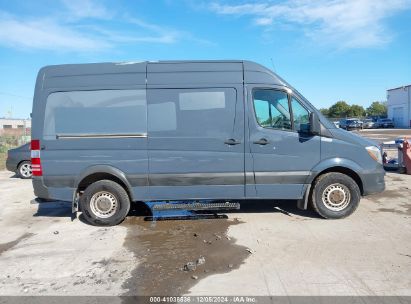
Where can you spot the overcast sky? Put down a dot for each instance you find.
(334, 50)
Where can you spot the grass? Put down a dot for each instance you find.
(3, 157)
(4, 147)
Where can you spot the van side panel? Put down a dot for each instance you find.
(193, 110)
(83, 118)
(199, 73)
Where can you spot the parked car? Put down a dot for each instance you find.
(351, 124)
(368, 123)
(18, 161)
(336, 123)
(183, 131)
(385, 123)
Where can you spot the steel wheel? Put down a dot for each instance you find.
(103, 204)
(336, 197)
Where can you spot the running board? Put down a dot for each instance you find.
(196, 206)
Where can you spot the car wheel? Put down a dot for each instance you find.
(24, 170)
(335, 195)
(104, 203)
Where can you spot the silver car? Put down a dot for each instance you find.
(368, 124)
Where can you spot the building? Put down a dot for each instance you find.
(13, 126)
(14, 123)
(399, 106)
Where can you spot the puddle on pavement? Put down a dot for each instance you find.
(7, 246)
(164, 247)
(386, 194)
(397, 179)
(407, 210)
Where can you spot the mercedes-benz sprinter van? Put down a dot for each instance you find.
(107, 134)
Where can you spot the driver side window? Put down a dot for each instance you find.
(271, 109)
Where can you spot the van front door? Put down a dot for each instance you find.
(196, 143)
(282, 154)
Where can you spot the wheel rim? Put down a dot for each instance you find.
(25, 170)
(103, 204)
(336, 197)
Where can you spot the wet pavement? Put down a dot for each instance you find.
(174, 254)
(265, 248)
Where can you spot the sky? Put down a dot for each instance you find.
(352, 50)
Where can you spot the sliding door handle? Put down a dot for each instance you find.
(232, 142)
(261, 141)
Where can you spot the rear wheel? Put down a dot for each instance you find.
(104, 203)
(335, 195)
(24, 170)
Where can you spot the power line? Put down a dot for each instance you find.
(14, 95)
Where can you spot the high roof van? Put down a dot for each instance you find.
(107, 134)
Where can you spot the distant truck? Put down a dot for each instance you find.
(385, 123)
(107, 134)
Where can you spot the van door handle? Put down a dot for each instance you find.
(261, 141)
(232, 142)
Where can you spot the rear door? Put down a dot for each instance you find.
(282, 155)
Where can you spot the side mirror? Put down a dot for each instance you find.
(315, 125)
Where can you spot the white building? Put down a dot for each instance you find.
(14, 123)
(399, 106)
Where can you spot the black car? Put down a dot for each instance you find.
(19, 161)
(385, 123)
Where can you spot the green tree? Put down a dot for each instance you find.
(377, 108)
(356, 111)
(325, 111)
(339, 109)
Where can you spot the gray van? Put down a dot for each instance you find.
(107, 134)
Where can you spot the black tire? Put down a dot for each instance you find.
(342, 199)
(24, 170)
(114, 194)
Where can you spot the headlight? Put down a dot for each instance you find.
(375, 153)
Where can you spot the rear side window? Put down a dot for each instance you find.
(191, 112)
(103, 112)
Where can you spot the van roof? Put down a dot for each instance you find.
(245, 71)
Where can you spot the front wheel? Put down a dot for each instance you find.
(335, 195)
(104, 203)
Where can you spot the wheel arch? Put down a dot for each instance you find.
(101, 172)
(20, 162)
(344, 166)
(344, 170)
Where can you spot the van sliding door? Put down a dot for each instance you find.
(196, 143)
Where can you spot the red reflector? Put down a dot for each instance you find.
(37, 172)
(35, 158)
(35, 144)
(35, 161)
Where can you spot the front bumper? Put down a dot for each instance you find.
(373, 182)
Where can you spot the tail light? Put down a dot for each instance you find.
(35, 158)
